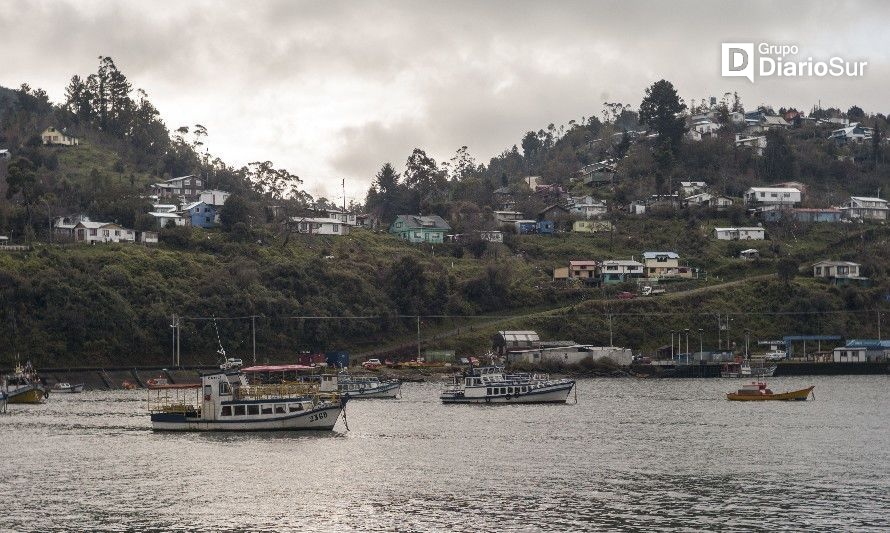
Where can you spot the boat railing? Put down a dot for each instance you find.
(174, 400)
(284, 390)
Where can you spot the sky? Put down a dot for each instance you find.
(332, 90)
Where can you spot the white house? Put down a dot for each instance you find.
(164, 219)
(773, 196)
(739, 234)
(688, 188)
(861, 351)
(863, 207)
(93, 232)
(588, 207)
(750, 254)
(320, 226)
(756, 143)
(491, 235)
(213, 197)
(164, 208)
(52, 136)
(836, 269)
(189, 186)
(854, 133)
(508, 217)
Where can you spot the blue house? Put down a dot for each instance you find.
(526, 227)
(201, 214)
(545, 227)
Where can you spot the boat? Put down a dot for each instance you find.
(355, 387)
(491, 385)
(225, 400)
(3, 400)
(745, 370)
(157, 383)
(128, 385)
(25, 386)
(68, 387)
(757, 391)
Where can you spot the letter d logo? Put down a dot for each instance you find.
(737, 60)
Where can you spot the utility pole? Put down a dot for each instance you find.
(687, 345)
(700, 345)
(418, 337)
(611, 343)
(719, 333)
(173, 347)
(178, 337)
(253, 335)
(879, 324)
(672, 345)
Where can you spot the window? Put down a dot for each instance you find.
(208, 390)
(294, 407)
(267, 409)
(92, 232)
(488, 391)
(239, 410)
(280, 408)
(224, 388)
(117, 233)
(105, 233)
(253, 409)
(227, 410)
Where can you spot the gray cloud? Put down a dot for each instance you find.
(334, 89)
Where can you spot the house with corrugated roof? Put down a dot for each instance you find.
(865, 208)
(507, 340)
(52, 136)
(420, 228)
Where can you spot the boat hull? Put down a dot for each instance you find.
(70, 390)
(320, 419)
(28, 394)
(554, 394)
(387, 390)
(797, 395)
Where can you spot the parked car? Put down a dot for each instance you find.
(372, 364)
(231, 363)
(624, 295)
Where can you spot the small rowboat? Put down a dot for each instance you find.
(68, 387)
(757, 392)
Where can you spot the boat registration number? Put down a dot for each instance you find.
(318, 416)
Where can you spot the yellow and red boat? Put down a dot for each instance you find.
(757, 392)
(25, 386)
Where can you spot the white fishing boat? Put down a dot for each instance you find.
(491, 385)
(67, 387)
(355, 387)
(745, 370)
(225, 401)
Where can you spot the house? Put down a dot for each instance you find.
(601, 173)
(507, 218)
(526, 227)
(739, 234)
(637, 207)
(93, 232)
(665, 265)
(201, 214)
(839, 272)
(774, 122)
(188, 186)
(664, 201)
(720, 202)
(688, 188)
(491, 236)
(750, 254)
(64, 226)
(504, 199)
(344, 217)
(756, 143)
(368, 220)
(553, 212)
(52, 136)
(164, 220)
(213, 197)
(854, 133)
(865, 208)
(701, 128)
(583, 269)
(561, 273)
(322, 226)
(700, 199)
(164, 208)
(589, 208)
(620, 270)
(550, 191)
(147, 237)
(420, 228)
(815, 215)
(4, 154)
(773, 196)
(861, 351)
(505, 341)
(591, 226)
(545, 227)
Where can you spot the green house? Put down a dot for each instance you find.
(420, 228)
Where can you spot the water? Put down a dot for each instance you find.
(641, 455)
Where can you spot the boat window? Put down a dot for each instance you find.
(227, 410)
(253, 409)
(267, 409)
(224, 388)
(295, 407)
(280, 408)
(239, 410)
(208, 390)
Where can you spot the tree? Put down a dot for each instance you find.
(21, 179)
(235, 210)
(778, 159)
(786, 268)
(855, 113)
(661, 110)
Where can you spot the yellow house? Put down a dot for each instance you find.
(53, 136)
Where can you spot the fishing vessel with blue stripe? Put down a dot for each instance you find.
(491, 385)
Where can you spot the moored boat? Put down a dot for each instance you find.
(491, 385)
(745, 370)
(24, 386)
(67, 387)
(757, 391)
(355, 387)
(226, 401)
(2, 402)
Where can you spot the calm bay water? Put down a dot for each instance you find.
(639, 455)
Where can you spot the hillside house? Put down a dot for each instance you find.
(854, 133)
(147, 237)
(862, 351)
(750, 254)
(164, 208)
(491, 235)
(665, 265)
(52, 136)
(620, 270)
(187, 186)
(201, 215)
(773, 196)
(553, 212)
(700, 199)
(507, 218)
(591, 226)
(420, 228)
(504, 199)
(213, 197)
(756, 143)
(595, 174)
(505, 341)
(740, 234)
(688, 188)
(545, 227)
(561, 273)
(100, 232)
(865, 208)
(815, 215)
(163, 220)
(585, 270)
(4, 154)
(769, 122)
(839, 272)
(526, 227)
(321, 226)
(589, 208)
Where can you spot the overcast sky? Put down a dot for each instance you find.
(331, 90)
